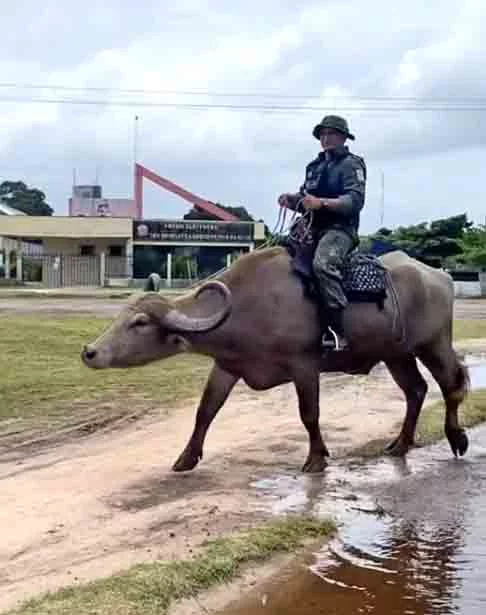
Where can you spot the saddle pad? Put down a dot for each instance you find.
(364, 276)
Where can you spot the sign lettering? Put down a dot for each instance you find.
(192, 230)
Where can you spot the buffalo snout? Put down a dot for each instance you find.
(91, 357)
(89, 353)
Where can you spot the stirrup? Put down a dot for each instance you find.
(326, 344)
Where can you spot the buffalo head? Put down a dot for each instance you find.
(153, 327)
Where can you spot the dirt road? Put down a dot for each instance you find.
(20, 305)
(88, 508)
(464, 308)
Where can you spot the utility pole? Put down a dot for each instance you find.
(137, 181)
(382, 202)
(135, 140)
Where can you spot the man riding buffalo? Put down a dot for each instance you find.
(334, 189)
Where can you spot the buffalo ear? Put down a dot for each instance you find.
(180, 342)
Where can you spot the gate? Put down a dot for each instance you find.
(66, 270)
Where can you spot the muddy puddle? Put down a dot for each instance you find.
(411, 535)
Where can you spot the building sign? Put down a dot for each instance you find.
(192, 230)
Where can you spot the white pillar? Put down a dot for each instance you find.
(169, 269)
(102, 268)
(19, 266)
(7, 264)
(251, 247)
(129, 258)
(228, 260)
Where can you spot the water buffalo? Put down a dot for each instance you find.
(259, 325)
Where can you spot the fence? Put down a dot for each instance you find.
(468, 283)
(57, 271)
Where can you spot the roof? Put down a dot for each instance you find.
(6, 210)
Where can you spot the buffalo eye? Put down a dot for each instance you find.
(139, 321)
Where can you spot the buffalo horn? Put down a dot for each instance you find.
(178, 321)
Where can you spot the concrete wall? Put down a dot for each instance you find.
(70, 246)
(40, 227)
(467, 289)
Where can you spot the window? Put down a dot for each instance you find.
(87, 250)
(115, 250)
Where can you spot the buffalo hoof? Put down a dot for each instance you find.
(397, 448)
(187, 461)
(458, 440)
(315, 463)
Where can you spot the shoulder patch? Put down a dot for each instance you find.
(360, 167)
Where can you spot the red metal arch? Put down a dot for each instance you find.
(201, 204)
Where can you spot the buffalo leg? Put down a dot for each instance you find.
(406, 374)
(307, 387)
(452, 378)
(218, 387)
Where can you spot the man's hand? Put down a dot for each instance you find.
(288, 200)
(283, 200)
(311, 202)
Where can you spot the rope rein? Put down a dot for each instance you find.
(281, 228)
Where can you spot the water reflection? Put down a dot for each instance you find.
(404, 570)
(426, 555)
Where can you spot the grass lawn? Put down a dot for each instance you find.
(42, 376)
(430, 426)
(469, 329)
(149, 589)
(43, 382)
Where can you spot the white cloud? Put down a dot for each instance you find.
(333, 50)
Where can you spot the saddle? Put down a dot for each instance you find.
(364, 276)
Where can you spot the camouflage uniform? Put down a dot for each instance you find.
(336, 173)
(328, 263)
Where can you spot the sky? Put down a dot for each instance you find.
(409, 78)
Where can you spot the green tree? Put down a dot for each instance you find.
(438, 243)
(474, 247)
(29, 200)
(453, 227)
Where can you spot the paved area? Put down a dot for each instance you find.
(111, 304)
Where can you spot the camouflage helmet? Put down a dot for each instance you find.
(333, 121)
